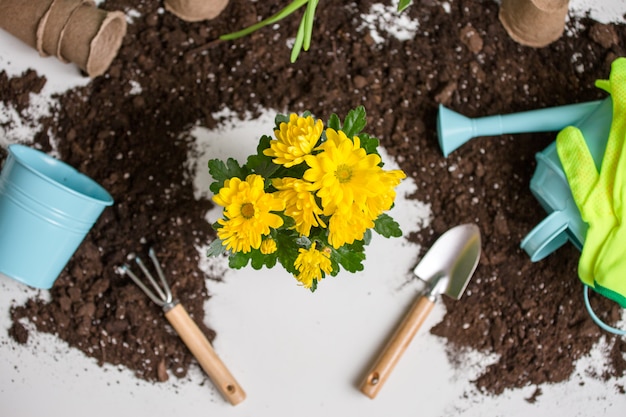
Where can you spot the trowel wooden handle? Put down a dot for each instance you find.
(396, 346)
(202, 350)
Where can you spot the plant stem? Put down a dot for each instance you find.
(292, 7)
(309, 16)
(297, 46)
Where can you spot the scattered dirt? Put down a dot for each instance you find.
(127, 130)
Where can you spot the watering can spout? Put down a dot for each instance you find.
(454, 129)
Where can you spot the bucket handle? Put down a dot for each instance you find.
(596, 319)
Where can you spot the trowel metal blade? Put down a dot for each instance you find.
(451, 261)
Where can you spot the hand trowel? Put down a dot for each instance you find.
(447, 268)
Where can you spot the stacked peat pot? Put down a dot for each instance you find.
(195, 10)
(72, 30)
(534, 23)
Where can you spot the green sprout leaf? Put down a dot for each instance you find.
(386, 226)
(297, 45)
(305, 29)
(289, 9)
(309, 16)
(403, 5)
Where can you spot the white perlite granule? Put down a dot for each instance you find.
(387, 18)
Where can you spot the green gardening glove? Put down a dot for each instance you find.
(601, 196)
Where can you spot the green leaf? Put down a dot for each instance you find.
(355, 122)
(270, 260)
(262, 165)
(303, 241)
(288, 223)
(386, 226)
(238, 260)
(296, 171)
(369, 143)
(287, 251)
(264, 143)
(221, 172)
(216, 248)
(367, 237)
(257, 259)
(280, 118)
(335, 266)
(334, 122)
(350, 257)
(403, 5)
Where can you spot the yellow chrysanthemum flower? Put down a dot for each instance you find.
(381, 202)
(300, 203)
(310, 264)
(348, 225)
(294, 140)
(343, 174)
(247, 212)
(268, 246)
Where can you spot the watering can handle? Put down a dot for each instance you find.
(396, 346)
(597, 319)
(202, 350)
(547, 236)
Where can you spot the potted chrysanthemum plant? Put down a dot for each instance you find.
(308, 200)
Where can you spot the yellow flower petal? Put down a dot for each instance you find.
(300, 204)
(247, 213)
(311, 264)
(294, 140)
(268, 246)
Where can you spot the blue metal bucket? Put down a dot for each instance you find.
(46, 210)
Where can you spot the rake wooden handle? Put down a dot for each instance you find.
(202, 350)
(396, 346)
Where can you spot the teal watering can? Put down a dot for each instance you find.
(548, 184)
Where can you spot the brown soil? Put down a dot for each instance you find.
(532, 314)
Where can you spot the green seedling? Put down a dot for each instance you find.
(305, 29)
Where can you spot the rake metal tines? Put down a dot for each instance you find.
(162, 294)
(187, 329)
